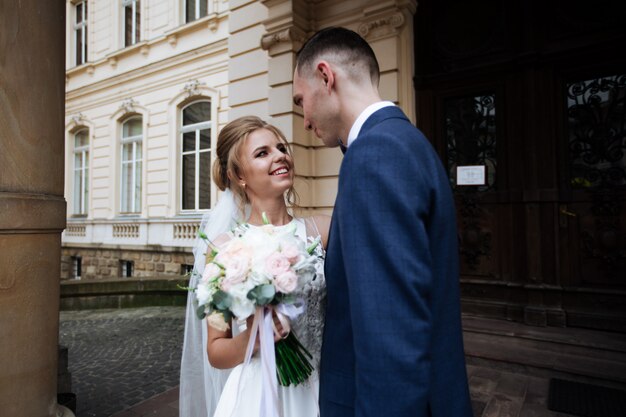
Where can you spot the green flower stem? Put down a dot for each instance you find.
(282, 379)
(298, 371)
(292, 365)
(304, 366)
(293, 339)
(286, 363)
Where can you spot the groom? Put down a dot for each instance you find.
(392, 341)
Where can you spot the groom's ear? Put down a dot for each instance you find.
(326, 75)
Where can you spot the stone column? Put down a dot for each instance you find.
(286, 28)
(32, 207)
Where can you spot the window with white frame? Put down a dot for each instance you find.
(81, 172)
(196, 156)
(80, 31)
(132, 21)
(131, 160)
(195, 9)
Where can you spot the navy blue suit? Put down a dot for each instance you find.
(393, 345)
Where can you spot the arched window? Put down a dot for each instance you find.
(132, 136)
(81, 172)
(196, 156)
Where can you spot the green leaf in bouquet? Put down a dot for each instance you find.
(313, 245)
(210, 256)
(262, 294)
(284, 298)
(201, 312)
(222, 300)
(228, 315)
(182, 287)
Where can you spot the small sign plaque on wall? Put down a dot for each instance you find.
(471, 175)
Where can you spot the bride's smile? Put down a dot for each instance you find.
(267, 166)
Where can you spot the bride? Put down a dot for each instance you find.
(254, 168)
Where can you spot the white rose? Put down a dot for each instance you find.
(204, 294)
(242, 307)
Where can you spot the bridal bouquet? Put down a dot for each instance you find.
(260, 270)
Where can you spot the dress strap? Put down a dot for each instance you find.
(311, 227)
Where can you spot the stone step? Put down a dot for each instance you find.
(585, 355)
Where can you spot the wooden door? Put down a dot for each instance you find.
(513, 89)
(592, 209)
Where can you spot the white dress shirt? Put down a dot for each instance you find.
(365, 114)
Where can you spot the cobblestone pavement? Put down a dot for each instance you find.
(119, 358)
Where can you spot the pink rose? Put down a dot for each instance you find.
(286, 282)
(291, 252)
(210, 271)
(277, 264)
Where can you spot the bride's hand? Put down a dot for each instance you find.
(279, 334)
(279, 331)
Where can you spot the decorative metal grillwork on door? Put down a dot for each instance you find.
(597, 132)
(470, 124)
(596, 127)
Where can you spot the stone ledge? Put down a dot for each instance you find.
(31, 213)
(127, 293)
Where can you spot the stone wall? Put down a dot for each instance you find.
(106, 263)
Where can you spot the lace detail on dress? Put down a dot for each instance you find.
(309, 327)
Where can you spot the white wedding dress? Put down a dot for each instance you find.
(241, 396)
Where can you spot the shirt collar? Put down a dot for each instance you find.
(365, 114)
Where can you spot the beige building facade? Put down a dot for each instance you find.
(149, 83)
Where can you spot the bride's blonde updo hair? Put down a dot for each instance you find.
(228, 165)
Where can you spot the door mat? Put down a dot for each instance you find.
(585, 399)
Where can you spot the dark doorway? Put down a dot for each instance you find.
(534, 92)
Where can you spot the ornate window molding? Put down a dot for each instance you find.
(129, 105)
(193, 88)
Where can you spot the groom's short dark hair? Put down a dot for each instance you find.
(346, 44)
